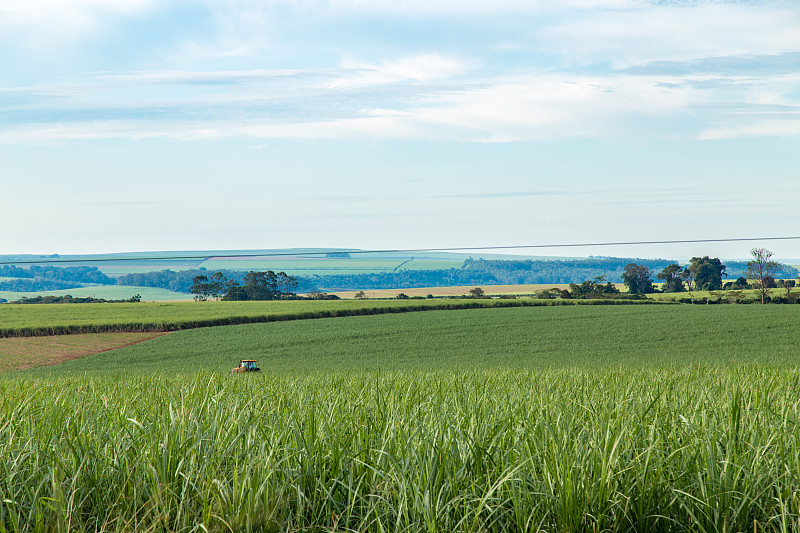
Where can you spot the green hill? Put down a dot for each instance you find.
(523, 338)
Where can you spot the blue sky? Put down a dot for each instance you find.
(132, 125)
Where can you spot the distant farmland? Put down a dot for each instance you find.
(106, 292)
(303, 266)
(306, 262)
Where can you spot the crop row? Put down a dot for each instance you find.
(36, 320)
(618, 450)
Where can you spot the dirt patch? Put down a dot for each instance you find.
(21, 353)
(491, 290)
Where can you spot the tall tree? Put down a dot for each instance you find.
(760, 268)
(638, 279)
(789, 284)
(285, 284)
(218, 285)
(687, 276)
(672, 278)
(260, 285)
(200, 288)
(592, 289)
(477, 292)
(707, 273)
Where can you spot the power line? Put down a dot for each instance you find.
(387, 251)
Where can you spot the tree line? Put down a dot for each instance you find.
(257, 286)
(50, 278)
(706, 273)
(702, 273)
(82, 274)
(37, 285)
(183, 280)
(535, 271)
(69, 299)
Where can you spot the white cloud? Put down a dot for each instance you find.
(379, 102)
(515, 108)
(635, 36)
(218, 76)
(75, 14)
(450, 7)
(421, 68)
(546, 107)
(788, 127)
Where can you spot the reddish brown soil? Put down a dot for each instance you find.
(20, 353)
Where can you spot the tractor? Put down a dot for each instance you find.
(246, 365)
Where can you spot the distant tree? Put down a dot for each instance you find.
(560, 293)
(687, 276)
(360, 295)
(638, 279)
(739, 284)
(285, 285)
(402, 296)
(200, 288)
(218, 285)
(477, 292)
(760, 268)
(235, 293)
(672, 278)
(707, 273)
(789, 284)
(593, 289)
(555, 292)
(260, 285)
(317, 295)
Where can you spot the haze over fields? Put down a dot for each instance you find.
(153, 125)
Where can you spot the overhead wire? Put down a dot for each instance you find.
(267, 253)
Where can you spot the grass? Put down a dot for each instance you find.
(516, 338)
(568, 418)
(752, 295)
(614, 449)
(41, 316)
(30, 319)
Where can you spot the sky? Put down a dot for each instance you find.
(145, 125)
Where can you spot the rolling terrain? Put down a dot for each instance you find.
(528, 338)
(562, 418)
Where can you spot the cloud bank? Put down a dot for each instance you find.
(532, 70)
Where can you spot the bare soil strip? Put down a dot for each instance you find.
(490, 290)
(21, 353)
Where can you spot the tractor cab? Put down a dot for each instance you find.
(247, 365)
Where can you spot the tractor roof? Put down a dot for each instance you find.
(249, 360)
